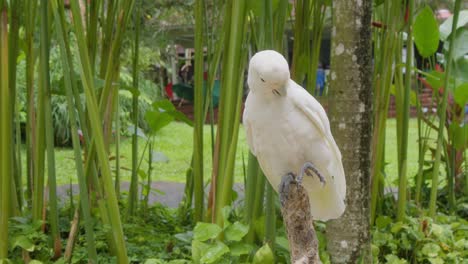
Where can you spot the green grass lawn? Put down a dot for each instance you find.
(175, 141)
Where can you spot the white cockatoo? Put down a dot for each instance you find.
(288, 131)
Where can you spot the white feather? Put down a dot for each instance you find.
(286, 127)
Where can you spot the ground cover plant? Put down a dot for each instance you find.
(84, 89)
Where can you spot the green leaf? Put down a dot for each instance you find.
(157, 120)
(214, 252)
(426, 32)
(282, 242)
(435, 79)
(446, 27)
(461, 69)
(397, 227)
(383, 221)
(142, 174)
(240, 248)
(459, 140)
(153, 261)
(392, 259)
(236, 231)
(461, 94)
(436, 260)
(264, 255)
(24, 243)
(165, 106)
(460, 48)
(198, 249)
(205, 231)
(431, 250)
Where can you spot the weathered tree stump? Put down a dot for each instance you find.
(295, 208)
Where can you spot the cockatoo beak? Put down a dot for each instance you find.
(276, 92)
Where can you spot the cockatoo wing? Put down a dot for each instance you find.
(314, 111)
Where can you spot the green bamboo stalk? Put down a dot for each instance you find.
(68, 74)
(117, 145)
(225, 197)
(148, 175)
(199, 113)
(279, 23)
(301, 45)
(30, 17)
(49, 130)
(112, 64)
(39, 155)
(403, 162)
(15, 7)
(92, 28)
(318, 11)
(382, 82)
(5, 133)
(96, 127)
(254, 196)
(132, 197)
(91, 170)
(442, 115)
(108, 33)
(229, 110)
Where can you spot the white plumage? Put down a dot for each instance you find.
(286, 127)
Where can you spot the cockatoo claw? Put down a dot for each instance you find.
(310, 170)
(285, 184)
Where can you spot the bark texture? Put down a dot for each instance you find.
(350, 110)
(295, 208)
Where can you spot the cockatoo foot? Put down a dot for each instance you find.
(310, 170)
(285, 184)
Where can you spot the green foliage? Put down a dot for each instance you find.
(420, 240)
(162, 113)
(27, 235)
(208, 248)
(426, 33)
(446, 27)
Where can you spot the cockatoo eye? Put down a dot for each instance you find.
(262, 79)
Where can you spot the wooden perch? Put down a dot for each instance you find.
(295, 208)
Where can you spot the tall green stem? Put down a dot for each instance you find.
(229, 109)
(30, 15)
(5, 133)
(199, 113)
(49, 129)
(15, 7)
(68, 73)
(96, 127)
(132, 197)
(405, 120)
(442, 114)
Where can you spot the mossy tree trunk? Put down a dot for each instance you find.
(350, 113)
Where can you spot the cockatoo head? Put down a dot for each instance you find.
(268, 73)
